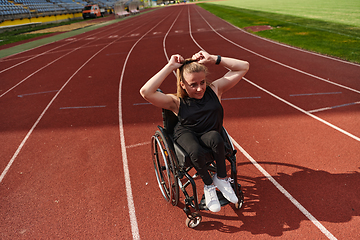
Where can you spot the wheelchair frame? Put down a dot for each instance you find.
(172, 163)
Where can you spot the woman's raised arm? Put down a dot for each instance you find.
(238, 68)
(148, 91)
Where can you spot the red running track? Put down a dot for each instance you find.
(75, 135)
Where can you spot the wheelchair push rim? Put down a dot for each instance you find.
(165, 169)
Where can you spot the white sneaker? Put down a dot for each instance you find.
(211, 199)
(225, 188)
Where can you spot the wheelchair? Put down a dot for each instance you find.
(172, 165)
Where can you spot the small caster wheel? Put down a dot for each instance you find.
(193, 221)
(239, 204)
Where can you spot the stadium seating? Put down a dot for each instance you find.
(19, 9)
(32, 8)
(8, 8)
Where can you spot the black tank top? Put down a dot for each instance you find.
(199, 115)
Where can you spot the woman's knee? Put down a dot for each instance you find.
(213, 139)
(197, 154)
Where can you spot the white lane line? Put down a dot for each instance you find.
(3, 174)
(37, 93)
(43, 53)
(286, 193)
(333, 107)
(130, 199)
(314, 94)
(294, 48)
(83, 107)
(165, 37)
(279, 63)
(191, 31)
(138, 104)
(240, 98)
(138, 145)
(225, 99)
(32, 74)
(288, 103)
(305, 112)
(282, 190)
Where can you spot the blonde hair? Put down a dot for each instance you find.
(189, 66)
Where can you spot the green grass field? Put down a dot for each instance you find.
(308, 28)
(12, 36)
(338, 11)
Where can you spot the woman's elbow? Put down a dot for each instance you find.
(246, 66)
(143, 92)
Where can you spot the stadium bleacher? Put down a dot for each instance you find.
(21, 9)
(9, 8)
(31, 8)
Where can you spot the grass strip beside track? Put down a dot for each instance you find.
(329, 38)
(26, 46)
(343, 12)
(16, 35)
(29, 45)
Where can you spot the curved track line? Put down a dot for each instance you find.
(15, 65)
(190, 31)
(3, 174)
(83, 46)
(305, 112)
(167, 33)
(279, 63)
(277, 97)
(281, 188)
(288, 46)
(130, 200)
(286, 193)
(41, 116)
(294, 48)
(10, 89)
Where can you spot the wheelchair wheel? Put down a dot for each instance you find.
(164, 163)
(194, 220)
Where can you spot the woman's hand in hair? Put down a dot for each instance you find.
(176, 61)
(204, 57)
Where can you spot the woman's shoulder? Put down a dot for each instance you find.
(213, 90)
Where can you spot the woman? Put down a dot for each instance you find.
(197, 105)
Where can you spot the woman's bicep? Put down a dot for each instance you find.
(228, 81)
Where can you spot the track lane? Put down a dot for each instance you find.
(230, 222)
(257, 119)
(17, 60)
(298, 59)
(281, 226)
(284, 84)
(352, 148)
(148, 208)
(30, 107)
(91, 166)
(58, 50)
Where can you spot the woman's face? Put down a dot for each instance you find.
(194, 84)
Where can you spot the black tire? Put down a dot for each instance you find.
(164, 164)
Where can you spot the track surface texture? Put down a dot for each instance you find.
(75, 136)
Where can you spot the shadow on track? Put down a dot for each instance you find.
(328, 197)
